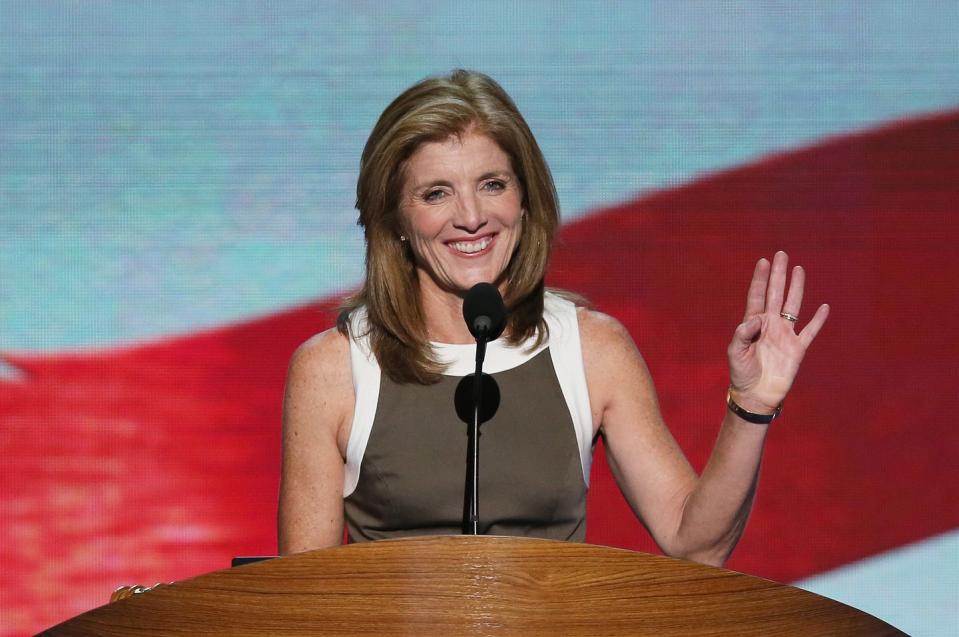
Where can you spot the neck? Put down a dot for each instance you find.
(443, 313)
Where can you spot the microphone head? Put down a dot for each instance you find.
(484, 311)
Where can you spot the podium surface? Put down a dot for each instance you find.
(464, 585)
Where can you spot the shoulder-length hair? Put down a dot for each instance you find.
(433, 110)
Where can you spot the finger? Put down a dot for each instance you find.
(812, 328)
(777, 283)
(756, 296)
(794, 297)
(746, 332)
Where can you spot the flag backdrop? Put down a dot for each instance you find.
(176, 215)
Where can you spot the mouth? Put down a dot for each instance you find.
(472, 247)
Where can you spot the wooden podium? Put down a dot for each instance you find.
(462, 585)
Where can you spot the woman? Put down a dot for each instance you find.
(453, 191)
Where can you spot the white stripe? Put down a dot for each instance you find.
(567, 353)
(460, 360)
(366, 387)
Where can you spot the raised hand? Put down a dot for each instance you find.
(766, 351)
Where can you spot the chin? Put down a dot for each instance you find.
(488, 277)
(465, 286)
(462, 281)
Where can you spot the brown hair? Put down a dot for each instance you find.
(433, 110)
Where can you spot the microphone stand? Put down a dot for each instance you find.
(471, 524)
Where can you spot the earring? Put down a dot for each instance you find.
(402, 237)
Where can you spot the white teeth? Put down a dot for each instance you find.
(469, 247)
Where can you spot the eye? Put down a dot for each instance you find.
(494, 185)
(433, 195)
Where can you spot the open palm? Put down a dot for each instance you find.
(766, 351)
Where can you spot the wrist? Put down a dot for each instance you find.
(751, 410)
(750, 402)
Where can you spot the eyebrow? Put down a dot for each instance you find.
(505, 175)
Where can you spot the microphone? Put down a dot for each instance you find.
(485, 316)
(484, 312)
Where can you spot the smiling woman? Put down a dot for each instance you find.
(418, 142)
(454, 191)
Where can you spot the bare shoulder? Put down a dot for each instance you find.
(319, 384)
(603, 336)
(615, 371)
(326, 353)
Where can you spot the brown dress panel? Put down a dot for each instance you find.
(412, 477)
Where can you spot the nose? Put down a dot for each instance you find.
(469, 215)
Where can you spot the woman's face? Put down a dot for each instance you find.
(461, 211)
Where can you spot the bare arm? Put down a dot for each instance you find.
(698, 518)
(317, 411)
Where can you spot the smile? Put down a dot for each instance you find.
(472, 247)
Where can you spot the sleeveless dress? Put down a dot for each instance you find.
(406, 455)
